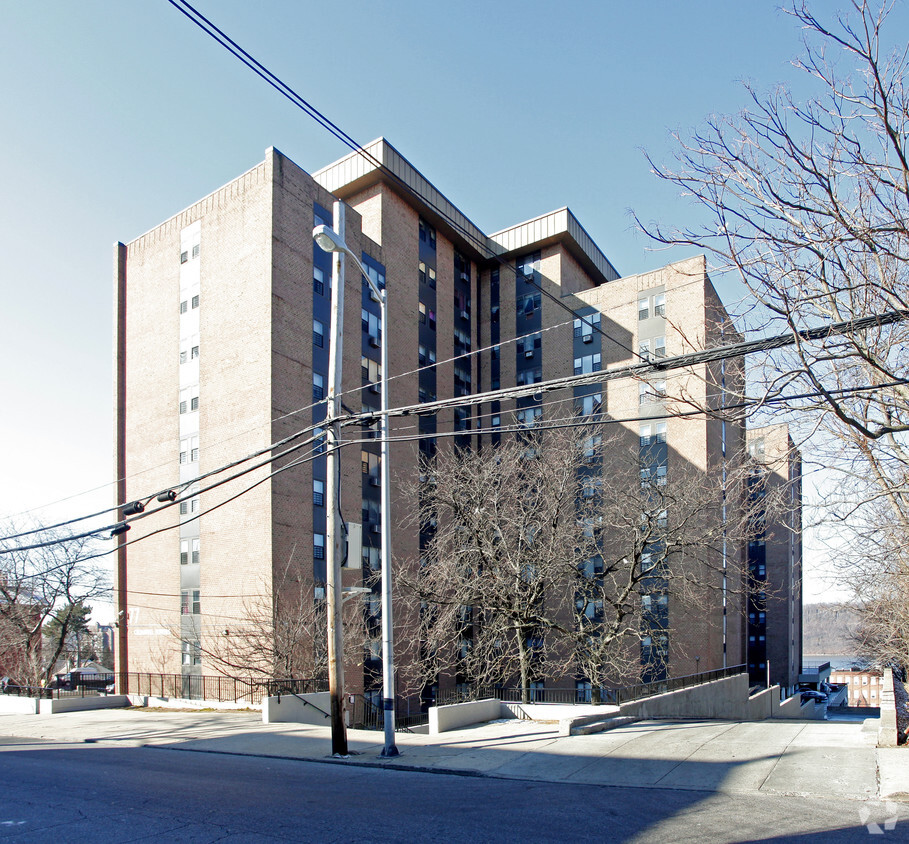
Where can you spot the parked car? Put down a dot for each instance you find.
(810, 694)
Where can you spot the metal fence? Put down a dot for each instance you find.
(366, 714)
(81, 685)
(217, 688)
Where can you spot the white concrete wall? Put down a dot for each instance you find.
(888, 732)
(442, 718)
(555, 712)
(81, 704)
(299, 709)
(186, 703)
(15, 705)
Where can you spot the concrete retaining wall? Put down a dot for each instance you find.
(442, 718)
(556, 712)
(15, 705)
(725, 699)
(81, 704)
(186, 703)
(888, 732)
(300, 709)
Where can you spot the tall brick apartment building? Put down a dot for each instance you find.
(775, 558)
(222, 350)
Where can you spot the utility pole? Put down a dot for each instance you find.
(334, 534)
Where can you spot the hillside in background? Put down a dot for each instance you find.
(827, 629)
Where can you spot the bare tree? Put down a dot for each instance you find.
(283, 634)
(808, 203)
(541, 563)
(36, 587)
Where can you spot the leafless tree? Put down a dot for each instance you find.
(807, 201)
(282, 634)
(556, 553)
(36, 586)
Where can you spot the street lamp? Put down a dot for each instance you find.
(332, 240)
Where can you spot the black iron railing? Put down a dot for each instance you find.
(217, 688)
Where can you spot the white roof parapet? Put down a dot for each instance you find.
(550, 227)
(356, 167)
(354, 171)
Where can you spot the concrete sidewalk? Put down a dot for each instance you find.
(818, 758)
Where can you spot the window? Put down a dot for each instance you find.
(592, 447)
(652, 433)
(184, 257)
(318, 281)
(659, 305)
(432, 277)
(196, 251)
(530, 376)
(318, 333)
(659, 347)
(586, 364)
(184, 552)
(190, 603)
(194, 352)
(528, 304)
(371, 370)
(589, 405)
(422, 313)
(644, 308)
(644, 349)
(528, 416)
(318, 443)
(196, 548)
(318, 546)
(183, 357)
(585, 327)
(195, 301)
(191, 653)
(527, 345)
(370, 324)
(194, 403)
(654, 391)
(422, 272)
(184, 307)
(318, 386)
(318, 493)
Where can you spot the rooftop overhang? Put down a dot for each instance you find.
(379, 162)
(560, 226)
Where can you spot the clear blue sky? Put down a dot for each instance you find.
(116, 115)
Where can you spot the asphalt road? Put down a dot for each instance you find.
(96, 792)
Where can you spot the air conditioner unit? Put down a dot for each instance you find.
(374, 481)
(465, 315)
(375, 388)
(375, 528)
(465, 277)
(374, 341)
(528, 353)
(587, 338)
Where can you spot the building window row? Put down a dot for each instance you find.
(651, 306)
(189, 450)
(427, 275)
(190, 602)
(585, 327)
(588, 363)
(189, 304)
(186, 253)
(189, 551)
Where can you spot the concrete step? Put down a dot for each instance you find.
(603, 725)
